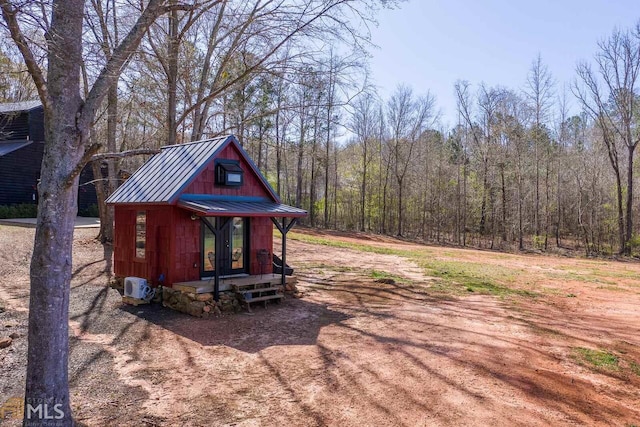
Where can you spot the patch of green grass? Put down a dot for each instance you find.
(474, 277)
(582, 276)
(635, 368)
(498, 290)
(347, 245)
(456, 276)
(328, 267)
(597, 358)
(595, 272)
(377, 274)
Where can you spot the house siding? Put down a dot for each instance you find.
(158, 253)
(20, 170)
(261, 238)
(19, 173)
(186, 248)
(205, 182)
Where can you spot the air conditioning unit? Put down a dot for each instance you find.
(135, 287)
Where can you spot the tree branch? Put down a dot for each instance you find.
(128, 153)
(9, 13)
(111, 71)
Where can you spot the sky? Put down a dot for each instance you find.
(430, 44)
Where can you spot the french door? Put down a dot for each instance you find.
(232, 247)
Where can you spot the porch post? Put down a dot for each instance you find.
(284, 229)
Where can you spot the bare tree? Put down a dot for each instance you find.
(364, 122)
(482, 133)
(69, 117)
(408, 118)
(539, 92)
(610, 96)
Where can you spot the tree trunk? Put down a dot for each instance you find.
(400, 213)
(384, 199)
(51, 262)
(504, 205)
(520, 201)
(485, 184)
(619, 197)
(312, 189)
(458, 206)
(299, 168)
(363, 186)
(172, 78)
(464, 204)
(335, 187)
(559, 207)
(326, 176)
(629, 222)
(106, 212)
(536, 212)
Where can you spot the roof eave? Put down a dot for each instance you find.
(211, 213)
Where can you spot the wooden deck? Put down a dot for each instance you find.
(227, 283)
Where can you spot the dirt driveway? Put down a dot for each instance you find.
(375, 341)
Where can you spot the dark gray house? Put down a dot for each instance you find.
(21, 150)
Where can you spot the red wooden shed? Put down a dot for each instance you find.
(198, 211)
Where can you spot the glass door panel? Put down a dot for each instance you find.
(208, 249)
(231, 249)
(237, 244)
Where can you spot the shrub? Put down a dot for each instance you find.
(538, 241)
(24, 210)
(634, 244)
(91, 211)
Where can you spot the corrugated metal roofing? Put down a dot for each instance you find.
(11, 146)
(241, 208)
(161, 179)
(14, 107)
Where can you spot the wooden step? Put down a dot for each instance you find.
(264, 298)
(256, 290)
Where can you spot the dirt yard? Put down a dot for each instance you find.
(388, 333)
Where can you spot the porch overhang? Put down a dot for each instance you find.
(238, 206)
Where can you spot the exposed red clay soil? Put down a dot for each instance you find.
(352, 351)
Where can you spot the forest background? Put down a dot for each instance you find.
(519, 170)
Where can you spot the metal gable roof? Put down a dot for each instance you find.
(11, 146)
(236, 206)
(15, 107)
(167, 174)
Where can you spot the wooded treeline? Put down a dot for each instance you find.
(520, 170)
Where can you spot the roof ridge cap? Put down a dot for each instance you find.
(196, 142)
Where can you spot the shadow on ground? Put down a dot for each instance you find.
(292, 322)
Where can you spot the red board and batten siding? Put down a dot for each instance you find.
(205, 182)
(186, 254)
(186, 249)
(158, 242)
(261, 237)
(173, 238)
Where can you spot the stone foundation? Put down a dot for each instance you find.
(117, 283)
(199, 305)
